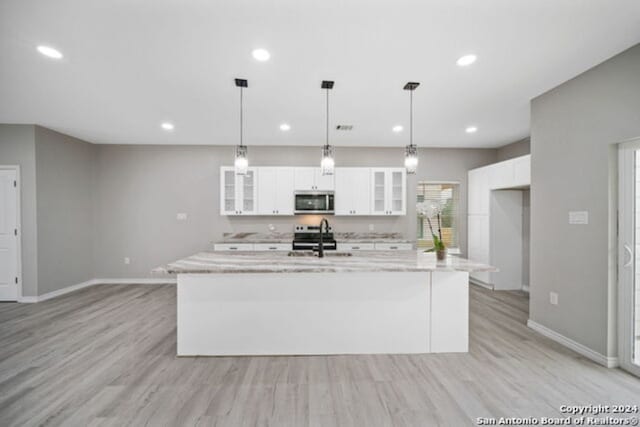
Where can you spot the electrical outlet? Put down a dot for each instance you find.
(371, 227)
(127, 260)
(181, 216)
(553, 298)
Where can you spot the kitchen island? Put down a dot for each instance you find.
(271, 303)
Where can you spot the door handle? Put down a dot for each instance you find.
(630, 252)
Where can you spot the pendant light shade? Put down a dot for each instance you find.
(241, 162)
(327, 164)
(411, 151)
(411, 158)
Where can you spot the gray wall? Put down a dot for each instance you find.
(573, 129)
(140, 189)
(65, 179)
(515, 149)
(17, 147)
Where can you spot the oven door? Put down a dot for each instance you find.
(313, 203)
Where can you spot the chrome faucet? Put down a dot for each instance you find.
(321, 244)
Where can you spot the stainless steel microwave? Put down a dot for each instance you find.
(313, 202)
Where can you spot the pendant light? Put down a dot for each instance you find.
(411, 151)
(241, 160)
(327, 163)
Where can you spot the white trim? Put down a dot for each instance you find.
(18, 225)
(92, 282)
(146, 281)
(609, 362)
(480, 283)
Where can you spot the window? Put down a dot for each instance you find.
(446, 196)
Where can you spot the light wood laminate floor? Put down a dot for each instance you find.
(105, 355)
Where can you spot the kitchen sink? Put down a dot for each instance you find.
(315, 254)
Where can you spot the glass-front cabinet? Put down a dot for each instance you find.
(389, 191)
(238, 195)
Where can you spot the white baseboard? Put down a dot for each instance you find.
(153, 281)
(609, 362)
(480, 283)
(92, 282)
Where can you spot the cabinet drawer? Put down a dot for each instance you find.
(356, 246)
(272, 246)
(393, 246)
(233, 247)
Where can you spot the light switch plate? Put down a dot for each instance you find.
(181, 216)
(371, 227)
(579, 217)
(553, 298)
(127, 260)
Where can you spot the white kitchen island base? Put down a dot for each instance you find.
(322, 313)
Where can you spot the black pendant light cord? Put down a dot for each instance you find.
(327, 143)
(411, 117)
(241, 118)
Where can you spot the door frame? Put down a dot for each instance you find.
(626, 276)
(16, 168)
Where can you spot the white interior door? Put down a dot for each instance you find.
(629, 256)
(8, 235)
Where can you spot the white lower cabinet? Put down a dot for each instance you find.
(393, 246)
(356, 247)
(233, 247)
(272, 247)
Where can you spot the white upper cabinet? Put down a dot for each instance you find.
(275, 190)
(311, 179)
(352, 191)
(501, 175)
(522, 170)
(388, 191)
(238, 192)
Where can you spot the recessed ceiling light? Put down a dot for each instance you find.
(397, 128)
(463, 61)
(285, 127)
(261, 55)
(50, 52)
(167, 126)
(471, 129)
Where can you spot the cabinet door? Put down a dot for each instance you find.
(478, 191)
(522, 170)
(397, 201)
(267, 190)
(501, 175)
(344, 191)
(361, 191)
(304, 179)
(247, 192)
(228, 193)
(379, 191)
(284, 191)
(324, 182)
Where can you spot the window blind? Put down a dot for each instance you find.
(446, 196)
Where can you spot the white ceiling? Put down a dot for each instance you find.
(130, 65)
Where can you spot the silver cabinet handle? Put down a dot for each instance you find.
(630, 252)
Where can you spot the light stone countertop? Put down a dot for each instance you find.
(341, 237)
(280, 262)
